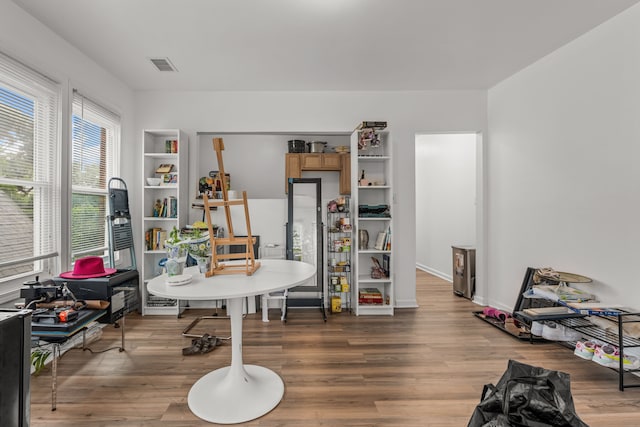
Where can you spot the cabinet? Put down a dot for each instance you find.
(164, 206)
(339, 249)
(372, 198)
(295, 163)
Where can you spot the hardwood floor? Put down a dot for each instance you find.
(422, 367)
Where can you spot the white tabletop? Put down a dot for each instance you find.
(273, 275)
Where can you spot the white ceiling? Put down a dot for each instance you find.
(320, 44)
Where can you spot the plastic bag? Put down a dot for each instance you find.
(527, 396)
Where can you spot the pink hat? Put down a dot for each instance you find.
(87, 267)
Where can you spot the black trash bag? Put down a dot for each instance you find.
(527, 396)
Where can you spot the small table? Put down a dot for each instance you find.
(236, 393)
(58, 333)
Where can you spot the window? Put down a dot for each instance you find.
(29, 165)
(95, 142)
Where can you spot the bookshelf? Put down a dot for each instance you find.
(164, 206)
(372, 201)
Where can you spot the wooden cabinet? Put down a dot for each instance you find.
(295, 163)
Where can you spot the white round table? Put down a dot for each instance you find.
(236, 393)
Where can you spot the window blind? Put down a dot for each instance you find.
(29, 165)
(95, 142)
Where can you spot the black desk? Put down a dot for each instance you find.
(59, 333)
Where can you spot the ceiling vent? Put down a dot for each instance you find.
(163, 64)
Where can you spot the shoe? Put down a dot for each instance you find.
(195, 348)
(606, 356)
(555, 332)
(585, 349)
(536, 328)
(609, 356)
(208, 343)
(495, 313)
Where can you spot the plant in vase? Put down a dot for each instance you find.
(200, 250)
(177, 251)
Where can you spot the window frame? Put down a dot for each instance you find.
(46, 95)
(97, 112)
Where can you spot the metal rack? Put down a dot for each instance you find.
(339, 246)
(580, 323)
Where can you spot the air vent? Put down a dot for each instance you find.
(163, 64)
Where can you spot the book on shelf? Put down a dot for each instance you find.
(171, 146)
(592, 308)
(370, 296)
(386, 264)
(383, 240)
(165, 168)
(170, 178)
(546, 311)
(153, 239)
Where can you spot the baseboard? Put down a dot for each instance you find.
(406, 303)
(443, 276)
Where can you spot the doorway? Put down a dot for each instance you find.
(447, 177)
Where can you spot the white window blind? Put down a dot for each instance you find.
(95, 143)
(29, 170)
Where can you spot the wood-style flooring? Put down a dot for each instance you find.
(422, 367)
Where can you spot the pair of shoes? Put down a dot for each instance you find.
(555, 332)
(201, 345)
(609, 356)
(585, 349)
(495, 313)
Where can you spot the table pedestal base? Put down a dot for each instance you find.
(230, 396)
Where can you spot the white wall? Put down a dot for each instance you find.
(25, 39)
(445, 199)
(562, 159)
(408, 113)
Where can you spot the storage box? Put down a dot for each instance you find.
(336, 304)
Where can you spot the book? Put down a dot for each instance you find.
(538, 311)
(593, 309)
(380, 241)
(165, 168)
(386, 264)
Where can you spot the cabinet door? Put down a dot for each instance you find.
(292, 169)
(312, 161)
(331, 161)
(345, 174)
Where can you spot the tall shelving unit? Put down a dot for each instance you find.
(369, 202)
(339, 250)
(158, 151)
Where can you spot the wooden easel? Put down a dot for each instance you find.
(217, 267)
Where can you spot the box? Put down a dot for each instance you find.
(336, 304)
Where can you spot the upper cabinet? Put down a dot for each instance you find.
(295, 163)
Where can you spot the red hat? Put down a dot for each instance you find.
(87, 267)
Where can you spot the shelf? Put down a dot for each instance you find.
(374, 218)
(161, 155)
(373, 251)
(161, 187)
(373, 187)
(154, 148)
(367, 279)
(375, 309)
(369, 158)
